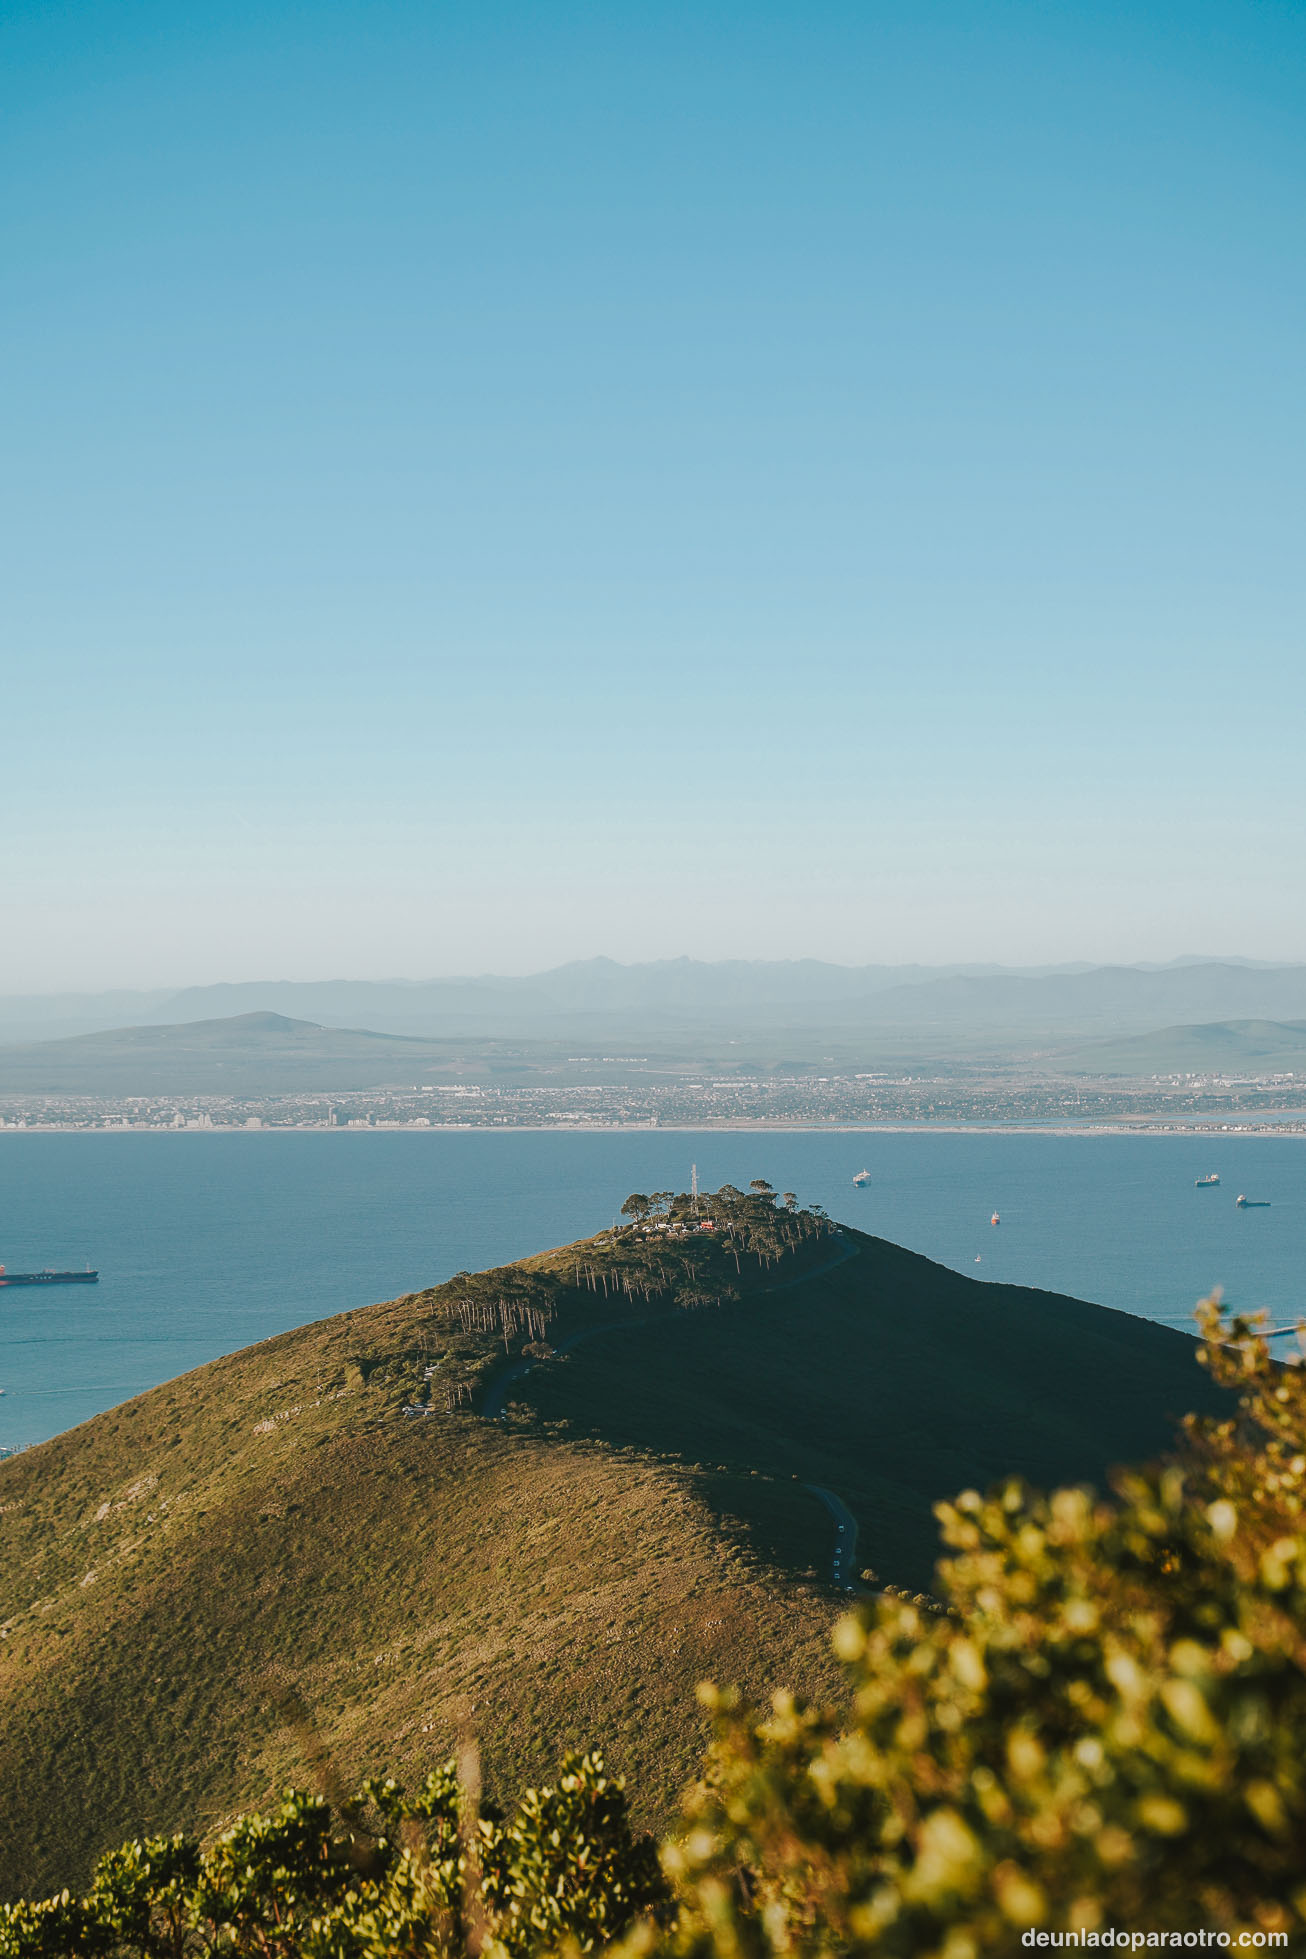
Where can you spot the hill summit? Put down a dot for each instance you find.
(252, 1053)
(234, 1030)
(538, 1503)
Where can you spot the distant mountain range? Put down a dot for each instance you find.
(687, 1001)
(262, 1053)
(490, 1003)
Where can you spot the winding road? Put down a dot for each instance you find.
(845, 1537)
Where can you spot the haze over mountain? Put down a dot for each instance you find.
(686, 999)
(1224, 1047)
(485, 1002)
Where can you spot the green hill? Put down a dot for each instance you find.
(248, 1054)
(267, 1563)
(1220, 1047)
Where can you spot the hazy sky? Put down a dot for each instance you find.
(486, 484)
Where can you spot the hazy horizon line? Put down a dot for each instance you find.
(959, 968)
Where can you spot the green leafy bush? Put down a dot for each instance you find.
(1106, 1731)
(383, 1877)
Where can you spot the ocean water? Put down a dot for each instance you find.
(206, 1242)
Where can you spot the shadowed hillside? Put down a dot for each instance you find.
(892, 1380)
(202, 1589)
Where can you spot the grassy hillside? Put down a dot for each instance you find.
(1225, 1047)
(205, 1589)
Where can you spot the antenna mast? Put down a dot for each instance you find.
(693, 1185)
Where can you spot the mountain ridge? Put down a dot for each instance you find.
(674, 993)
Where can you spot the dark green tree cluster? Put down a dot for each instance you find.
(507, 1301)
(756, 1222)
(680, 1248)
(383, 1876)
(751, 1221)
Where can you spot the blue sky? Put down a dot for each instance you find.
(486, 484)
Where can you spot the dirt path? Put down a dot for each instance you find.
(496, 1393)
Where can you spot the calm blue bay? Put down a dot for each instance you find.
(206, 1242)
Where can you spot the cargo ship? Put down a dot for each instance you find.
(1252, 1203)
(862, 1178)
(48, 1278)
(1207, 1183)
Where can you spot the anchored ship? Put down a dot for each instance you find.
(1252, 1203)
(862, 1178)
(1205, 1183)
(49, 1278)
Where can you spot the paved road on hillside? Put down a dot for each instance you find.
(845, 1536)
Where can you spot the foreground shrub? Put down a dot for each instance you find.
(386, 1877)
(1107, 1732)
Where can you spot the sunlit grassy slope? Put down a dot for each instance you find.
(266, 1560)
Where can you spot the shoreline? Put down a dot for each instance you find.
(1143, 1126)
